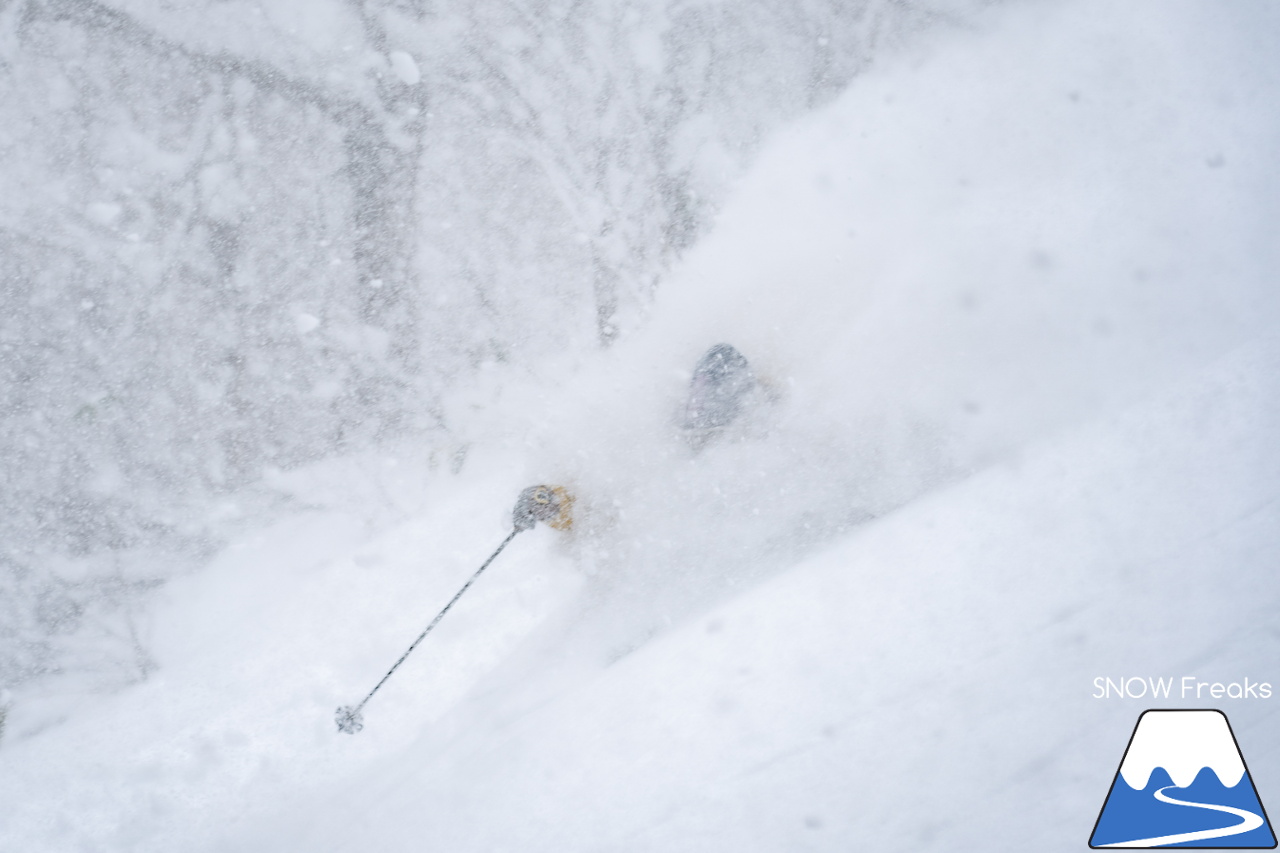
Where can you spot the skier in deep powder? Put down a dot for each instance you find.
(719, 391)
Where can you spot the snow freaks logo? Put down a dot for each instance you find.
(1183, 783)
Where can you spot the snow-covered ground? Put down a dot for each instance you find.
(1013, 301)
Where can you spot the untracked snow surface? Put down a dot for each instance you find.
(1012, 301)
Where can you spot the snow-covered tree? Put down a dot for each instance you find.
(237, 236)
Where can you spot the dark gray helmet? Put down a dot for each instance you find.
(721, 381)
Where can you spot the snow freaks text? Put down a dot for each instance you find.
(1186, 687)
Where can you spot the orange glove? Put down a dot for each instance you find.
(552, 505)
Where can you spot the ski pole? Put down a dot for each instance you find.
(549, 504)
(348, 718)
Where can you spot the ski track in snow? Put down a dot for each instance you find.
(1248, 822)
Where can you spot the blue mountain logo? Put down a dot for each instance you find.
(1183, 783)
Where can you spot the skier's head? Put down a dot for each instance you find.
(721, 379)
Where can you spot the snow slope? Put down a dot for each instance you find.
(922, 685)
(1013, 299)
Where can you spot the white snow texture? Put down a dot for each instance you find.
(1012, 300)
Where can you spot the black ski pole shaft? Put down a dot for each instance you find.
(352, 714)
